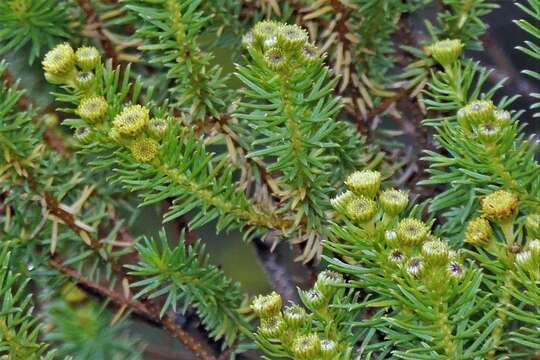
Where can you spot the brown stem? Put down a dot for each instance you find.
(144, 309)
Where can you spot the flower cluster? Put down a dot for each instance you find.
(482, 120)
(405, 243)
(132, 127)
(292, 331)
(282, 48)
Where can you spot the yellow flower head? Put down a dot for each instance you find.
(366, 182)
(478, 232)
(132, 120)
(266, 306)
(144, 149)
(92, 109)
(500, 205)
(411, 231)
(445, 52)
(87, 57)
(307, 346)
(393, 201)
(59, 60)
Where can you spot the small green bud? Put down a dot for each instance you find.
(315, 298)
(341, 201)
(447, 51)
(476, 113)
(503, 118)
(396, 256)
(83, 135)
(264, 30)
(157, 128)
(414, 266)
(393, 201)
(361, 209)
(364, 182)
(272, 327)
(327, 281)
(411, 231)
(532, 224)
(500, 205)
(309, 54)
(307, 347)
(525, 260)
(275, 59)
(144, 149)
(132, 120)
(292, 36)
(534, 248)
(390, 236)
(455, 270)
(85, 80)
(329, 349)
(478, 232)
(489, 133)
(87, 57)
(92, 109)
(435, 252)
(295, 316)
(267, 306)
(60, 60)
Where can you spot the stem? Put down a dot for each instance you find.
(504, 302)
(448, 339)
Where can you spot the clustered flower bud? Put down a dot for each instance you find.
(144, 149)
(411, 231)
(327, 281)
(306, 347)
(87, 58)
(478, 232)
(132, 120)
(393, 201)
(499, 206)
(361, 209)
(267, 306)
(92, 109)
(60, 60)
(295, 316)
(272, 327)
(365, 182)
(476, 113)
(446, 52)
(532, 224)
(435, 252)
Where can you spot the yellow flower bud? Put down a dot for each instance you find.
(503, 118)
(275, 59)
(435, 252)
(478, 232)
(87, 57)
(327, 282)
(364, 182)
(393, 201)
(85, 80)
(411, 231)
(132, 120)
(309, 54)
(60, 60)
(157, 128)
(534, 248)
(264, 30)
(329, 349)
(396, 256)
(500, 205)
(272, 327)
(532, 224)
(489, 133)
(83, 135)
(476, 113)
(315, 298)
(306, 347)
(447, 51)
(92, 109)
(295, 316)
(361, 209)
(292, 36)
(267, 306)
(144, 149)
(341, 201)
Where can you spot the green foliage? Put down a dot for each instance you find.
(530, 48)
(171, 30)
(184, 276)
(19, 328)
(42, 23)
